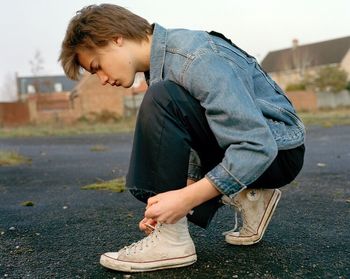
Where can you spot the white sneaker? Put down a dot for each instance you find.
(256, 207)
(168, 246)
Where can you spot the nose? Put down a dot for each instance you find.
(103, 77)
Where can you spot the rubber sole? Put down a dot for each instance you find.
(125, 266)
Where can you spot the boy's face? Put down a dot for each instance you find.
(113, 64)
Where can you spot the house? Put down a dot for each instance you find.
(91, 99)
(289, 66)
(88, 100)
(39, 98)
(43, 85)
(58, 99)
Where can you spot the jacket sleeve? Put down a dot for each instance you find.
(226, 92)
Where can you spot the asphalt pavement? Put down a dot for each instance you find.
(64, 233)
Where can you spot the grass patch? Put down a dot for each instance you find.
(27, 203)
(326, 118)
(98, 148)
(115, 185)
(22, 250)
(61, 129)
(12, 158)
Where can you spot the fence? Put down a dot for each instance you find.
(14, 114)
(312, 101)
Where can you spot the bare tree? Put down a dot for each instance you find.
(36, 66)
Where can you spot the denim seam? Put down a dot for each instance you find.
(225, 188)
(298, 122)
(234, 177)
(214, 185)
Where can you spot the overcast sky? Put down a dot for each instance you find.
(258, 26)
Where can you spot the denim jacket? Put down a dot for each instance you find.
(247, 111)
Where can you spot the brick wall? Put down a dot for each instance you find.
(303, 100)
(92, 97)
(14, 114)
(51, 101)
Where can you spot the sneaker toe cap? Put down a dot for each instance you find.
(111, 260)
(110, 256)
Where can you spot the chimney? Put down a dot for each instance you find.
(295, 43)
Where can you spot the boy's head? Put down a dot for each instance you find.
(95, 26)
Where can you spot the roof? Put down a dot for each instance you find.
(45, 84)
(310, 55)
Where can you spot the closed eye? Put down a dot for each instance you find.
(94, 70)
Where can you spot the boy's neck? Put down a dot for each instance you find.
(145, 54)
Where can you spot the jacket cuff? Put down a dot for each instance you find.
(224, 181)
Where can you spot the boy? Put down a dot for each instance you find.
(213, 128)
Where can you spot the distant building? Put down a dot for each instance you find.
(58, 99)
(288, 66)
(89, 97)
(43, 85)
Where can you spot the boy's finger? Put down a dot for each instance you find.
(150, 214)
(142, 224)
(145, 222)
(152, 222)
(151, 201)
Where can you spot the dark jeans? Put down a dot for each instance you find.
(171, 122)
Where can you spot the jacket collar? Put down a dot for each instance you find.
(159, 40)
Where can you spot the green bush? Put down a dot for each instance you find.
(348, 86)
(295, 87)
(331, 78)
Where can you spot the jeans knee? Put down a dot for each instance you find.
(154, 97)
(165, 91)
(158, 97)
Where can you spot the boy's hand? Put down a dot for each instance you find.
(168, 207)
(147, 225)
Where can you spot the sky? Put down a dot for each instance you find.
(258, 26)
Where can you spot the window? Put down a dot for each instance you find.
(31, 89)
(58, 87)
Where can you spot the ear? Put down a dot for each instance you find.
(119, 40)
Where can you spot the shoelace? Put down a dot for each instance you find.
(228, 201)
(145, 242)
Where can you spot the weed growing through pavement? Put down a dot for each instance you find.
(27, 203)
(114, 185)
(12, 158)
(98, 148)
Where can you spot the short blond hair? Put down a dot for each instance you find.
(94, 26)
